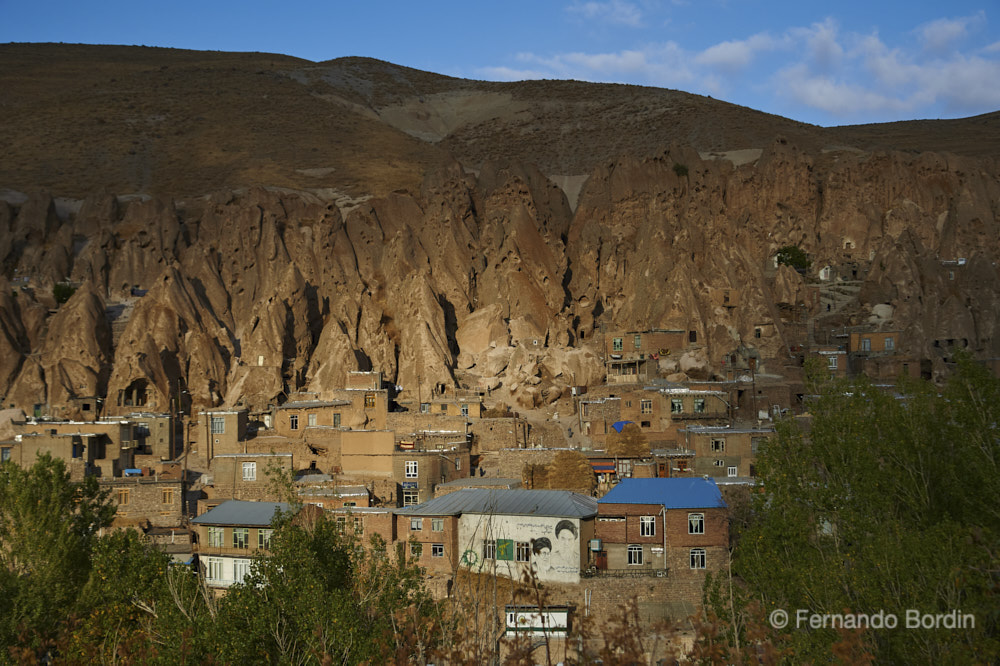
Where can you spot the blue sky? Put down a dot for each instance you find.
(829, 63)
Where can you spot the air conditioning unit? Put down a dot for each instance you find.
(595, 545)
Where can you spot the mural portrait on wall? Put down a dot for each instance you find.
(541, 556)
(567, 545)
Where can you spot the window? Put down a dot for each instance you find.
(410, 497)
(637, 342)
(616, 344)
(444, 408)
(416, 550)
(241, 567)
(167, 496)
(425, 408)
(890, 344)
(676, 406)
(489, 549)
(311, 419)
(241, 537)
(264, 538)
(584, 410)
(682, 465)
(634, 555)
(731, 472)
(646, 406)
(410, 469)
(293, 421)
(756, 332)
(647, 526)
(213, 568)
(866, 344)
(719, 463)
(341, 524)
(465, 409)
(336, 420)
(123, 496)
(645, 424)
(458, 464)
(249, 471)
(218, 425)
(437, 524)
(522, 551)
(437, 550)
(215, 537)
(416, 524)
(699, 405)
(831, 362)
(697, 558)
(369, 400)
(4, 455)
(696, 523)
(718, 445)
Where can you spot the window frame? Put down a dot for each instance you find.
(238, 564)
(647, 526)
(293, 421)
(635, 555)
(416, 524)
(218, 425)
(697, 558)
(437, 524)
(700, 406)
(241, 537)
(522, 551)
(637, 341)
(264, 536)
(646, 406)
(311, 419)
(216, 536)
(411, 469)
(437, 550)
(490, 549)
(617, 344)
(416, 550)
(213, 568)
(732, 471)
(696, 523)
(250, 471)
(676, 405)
(718, 445)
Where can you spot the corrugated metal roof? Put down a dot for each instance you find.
(688, 493)
(237, 512)
(517, 502)
(481, 481)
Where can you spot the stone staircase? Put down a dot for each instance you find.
(835, 295)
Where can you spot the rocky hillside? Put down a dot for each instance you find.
(241, 226)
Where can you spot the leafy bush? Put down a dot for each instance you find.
(680, 170)
(794, 256)
(62, 292)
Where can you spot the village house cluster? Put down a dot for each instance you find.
(458, 483)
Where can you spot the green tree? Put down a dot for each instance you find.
(47, 527)
(886, 503)
(794, 256)
(62, 292)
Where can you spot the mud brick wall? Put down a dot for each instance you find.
(509, 463)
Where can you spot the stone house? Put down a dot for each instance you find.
(247, 476)
(102, 448)
(676, 527)
(724, 451)
(418, 471)
(154, 435)
(633, 356)
(228, 536)
(142, 500)
(293, 418)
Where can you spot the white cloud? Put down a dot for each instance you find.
(821, 42)
(511, 74)
(992, 48)
(938, 36)
(733, 56)
(841, 99)
(614, 11)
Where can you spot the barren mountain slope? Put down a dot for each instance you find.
(302, 220)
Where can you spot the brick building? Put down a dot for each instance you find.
(247, 476)
(676, 526)
(142, 500)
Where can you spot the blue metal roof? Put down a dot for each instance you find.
(686, 493)
(237, 512)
